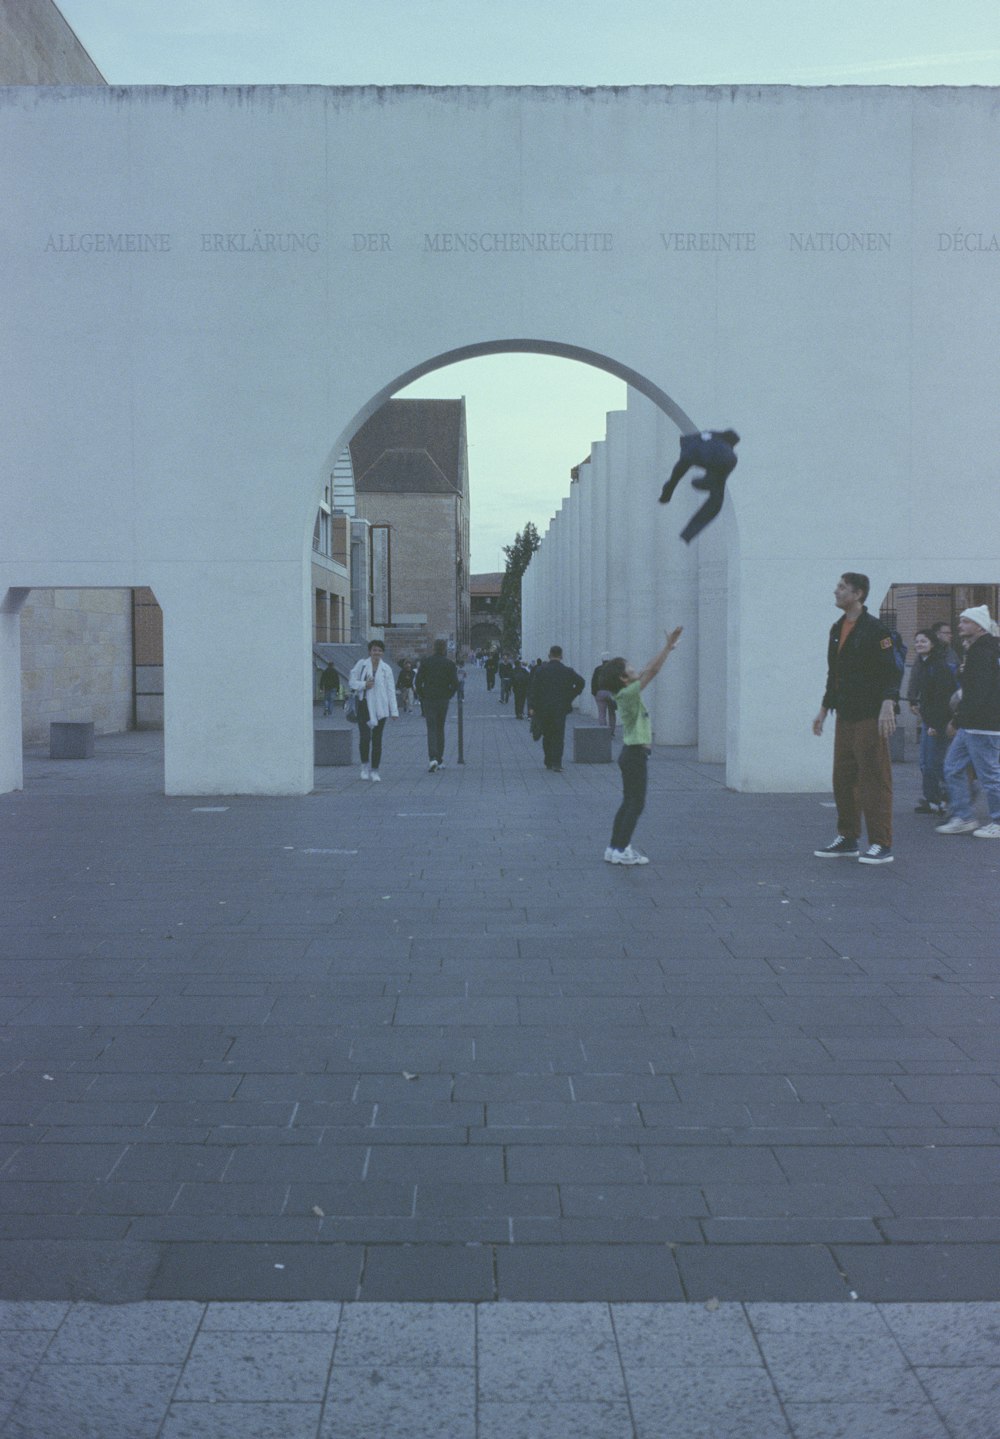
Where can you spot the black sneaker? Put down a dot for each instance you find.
(876, 854)
(840, 849)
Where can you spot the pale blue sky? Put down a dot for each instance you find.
(532, 418)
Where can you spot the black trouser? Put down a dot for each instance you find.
(632, 763)
(369, 737)
(520, 695)
(434, 717)
(715, 483)
(504, 691)
(553, 725)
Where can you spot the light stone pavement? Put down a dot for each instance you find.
(294, 1090)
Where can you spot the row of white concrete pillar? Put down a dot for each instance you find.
(612, 575)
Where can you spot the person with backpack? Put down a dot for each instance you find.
(975, 728)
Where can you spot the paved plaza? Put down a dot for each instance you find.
(343, 1070)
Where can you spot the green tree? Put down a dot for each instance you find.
(526, 542)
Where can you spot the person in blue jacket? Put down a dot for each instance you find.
(714, 451)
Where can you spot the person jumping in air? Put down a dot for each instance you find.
(714, 451)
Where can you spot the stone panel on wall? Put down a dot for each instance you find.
(76, 660)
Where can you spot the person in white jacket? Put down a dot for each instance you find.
(374, 684)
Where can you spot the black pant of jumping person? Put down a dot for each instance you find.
(713, 451)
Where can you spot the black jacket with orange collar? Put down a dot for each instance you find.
(862, 675)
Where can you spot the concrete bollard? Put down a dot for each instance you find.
(71, 739)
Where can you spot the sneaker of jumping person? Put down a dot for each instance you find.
(876, 854)
(841, 848)
(987, 831)
(957, 825)
(432, 766)
(376, 777)
(623, 856)
(366, 771)
(637, 855)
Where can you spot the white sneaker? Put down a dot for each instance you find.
(432, 766)
(988, 831)
(366, 771)
(624, 856)
(957, 825)
(609, 854)
(376, 777)
(638, 855)
(440, 764)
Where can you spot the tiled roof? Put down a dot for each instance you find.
(411, 445)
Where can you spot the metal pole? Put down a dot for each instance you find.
(461, 729)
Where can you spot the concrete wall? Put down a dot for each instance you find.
(815, 267)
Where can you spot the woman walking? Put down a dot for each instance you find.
(371, 680)
(637, 734)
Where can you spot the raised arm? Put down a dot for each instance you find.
(652, 669)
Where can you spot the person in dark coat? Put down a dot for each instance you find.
(492, 662)
(551, 692)
(519, 681)
(714, 451)
(975, 728)
(862, 685)
(436, 682)
(329, 683)
(932, 684)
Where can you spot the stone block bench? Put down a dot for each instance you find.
(333, 746)
(591, 744)
(71, 739)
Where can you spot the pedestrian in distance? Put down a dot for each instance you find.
(862, 685)
(975, 728)
(437, 681)
(329, 684)
(603, 698)
(404, 685)
(492, 663)
(714, 451)
(627, 684)
(505, 671)
(551, 691)
(371, 681)
(929, 693)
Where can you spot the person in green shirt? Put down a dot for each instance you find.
(626, 684)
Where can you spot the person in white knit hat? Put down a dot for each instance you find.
(975, 729)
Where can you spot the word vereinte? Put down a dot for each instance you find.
(514, 242)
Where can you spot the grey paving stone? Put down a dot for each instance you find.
(542, 1420)
(685, 1403)
(918, 1272)
(531, 1353)
(745, 1201)
(486, 1199)
(617, 1200)
(819, 1353)
(142, 1333)
(427, 1272)
(588, 1272)
(946, 1334)
(251, 1271)
(819, 1229)
(241, 1421)
(108, 1272)
(420, 1335)
(93, 1401)
(319, 1317)
(21, 1351)
(399, 1403)
(968, 1398)
(32, 1314)
(654, 1335)
(850, 1420)
(760, 1272)
(256, 1366)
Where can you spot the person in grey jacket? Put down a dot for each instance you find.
(975, 729)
